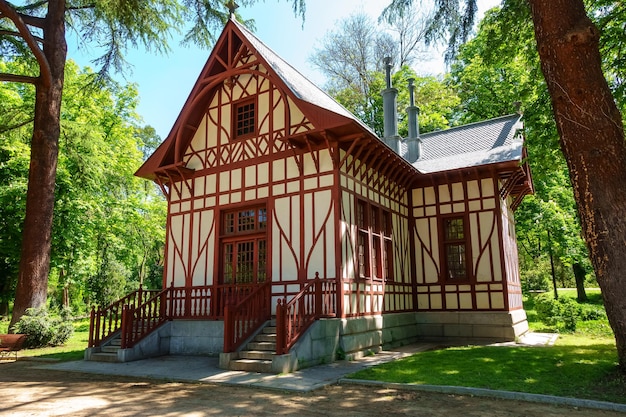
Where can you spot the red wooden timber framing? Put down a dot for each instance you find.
(316, 300)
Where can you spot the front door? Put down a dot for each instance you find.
(243, 250)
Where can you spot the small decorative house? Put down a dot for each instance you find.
(295, 234)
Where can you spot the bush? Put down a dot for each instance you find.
(561, 313)
(43, 328)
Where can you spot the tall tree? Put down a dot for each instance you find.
(591, 134)
(37, 29)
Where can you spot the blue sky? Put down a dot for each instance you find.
(164, 82)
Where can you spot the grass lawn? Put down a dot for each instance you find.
(580, 365)
(73, 349)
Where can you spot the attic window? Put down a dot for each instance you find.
(245, 118)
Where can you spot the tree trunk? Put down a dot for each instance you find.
(579, 276)
(592, 139)
(32, 285)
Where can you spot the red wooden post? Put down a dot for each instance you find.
(125, 325)
(92, 319)
(98, 329)
(228, 330)
(318, 296)
(280, 328)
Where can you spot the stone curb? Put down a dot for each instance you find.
(507, 395)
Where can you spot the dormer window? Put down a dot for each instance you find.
(245, 118)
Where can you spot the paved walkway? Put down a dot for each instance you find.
(205, 369)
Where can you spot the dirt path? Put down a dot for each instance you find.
(27, 391)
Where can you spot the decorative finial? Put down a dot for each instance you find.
(232, 6)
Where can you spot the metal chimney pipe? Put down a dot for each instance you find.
(414, 143)
(390, 111)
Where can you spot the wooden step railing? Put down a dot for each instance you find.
(317, 299)
(108, 320)
(243, 318)
(138, 322)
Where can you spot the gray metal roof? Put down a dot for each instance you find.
(487, 142)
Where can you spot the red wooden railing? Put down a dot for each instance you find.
(316, 300)
(242, 318)
(142, 311)
(108, 320)
(138, 322)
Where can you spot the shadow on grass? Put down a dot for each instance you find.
(588, 371)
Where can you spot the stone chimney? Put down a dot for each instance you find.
(390, 112)
(414, 143)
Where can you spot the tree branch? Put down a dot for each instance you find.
(19, 35)
(18, 78)
(44, 66)
(16, 126)
(32, 6)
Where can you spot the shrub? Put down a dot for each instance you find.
(561, 313)
(43, 328)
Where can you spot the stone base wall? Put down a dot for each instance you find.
(496, 326)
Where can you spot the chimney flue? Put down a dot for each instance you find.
(414, 143)
(390, 112)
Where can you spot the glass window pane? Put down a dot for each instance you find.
(455, 256)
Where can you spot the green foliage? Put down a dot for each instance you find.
(108, 225)
(43, 328)
(562, 313)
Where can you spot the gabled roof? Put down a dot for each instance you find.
(313, 101)
(301, 86)
(488, 142)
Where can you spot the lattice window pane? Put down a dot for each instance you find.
(245, 123)
(228, 264)
(245, 262)
(455, 257)
(247, 221)
(261, 274)
(454, 229)
(262, 218)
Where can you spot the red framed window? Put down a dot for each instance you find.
(244, 123)
(244, 246)
(455, 248)
(374, 242)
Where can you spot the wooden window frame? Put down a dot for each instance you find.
(236, 231)
(374, 247)
(447, 242)
(236, 107)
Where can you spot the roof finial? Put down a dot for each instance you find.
(232, 6)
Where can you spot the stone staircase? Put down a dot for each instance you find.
(258, 353)
(108, 352)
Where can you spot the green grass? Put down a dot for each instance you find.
(580, 365)
(73, 349)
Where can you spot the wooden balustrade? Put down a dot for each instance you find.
(108, 320)
(317, 299)
(242, 316)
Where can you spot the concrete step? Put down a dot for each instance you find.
(104, 357)
(256, 354)
(251, 365)
(269, 330)
(265, 337)
(115, 342)
(266, 346)
(110, 349)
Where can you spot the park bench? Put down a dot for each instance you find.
(10, 344)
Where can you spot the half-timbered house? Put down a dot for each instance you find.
(296, 235)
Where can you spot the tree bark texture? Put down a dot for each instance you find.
(592, 139)
(32, 285)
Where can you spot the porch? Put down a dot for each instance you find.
(206, 320)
